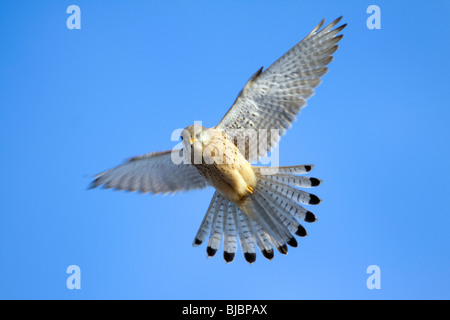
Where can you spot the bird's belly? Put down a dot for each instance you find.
(224, 166)
(234, 181)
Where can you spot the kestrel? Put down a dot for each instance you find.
(257, 206)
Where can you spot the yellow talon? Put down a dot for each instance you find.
(250, 189)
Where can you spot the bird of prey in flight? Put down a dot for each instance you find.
(254, 206)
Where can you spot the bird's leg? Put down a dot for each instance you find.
(243, 196)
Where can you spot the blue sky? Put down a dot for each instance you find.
(76, 102)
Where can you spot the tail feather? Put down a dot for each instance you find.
(263, 235)
(230, 235)
(263, 240)
(287, 218)
(268, 171)
(267, 218)
(246, 235)
(290, 192)
(295, 181)
(286, 224)
(205, 226)
(215, 237)
(289, 206)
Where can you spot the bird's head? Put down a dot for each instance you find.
(192, 134)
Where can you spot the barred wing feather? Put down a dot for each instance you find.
(271, 99)
(153, 172)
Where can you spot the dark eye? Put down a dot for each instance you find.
(181, 138)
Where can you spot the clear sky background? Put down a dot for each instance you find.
(76, 102)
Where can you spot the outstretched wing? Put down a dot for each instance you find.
(271, 99)
(153, 172)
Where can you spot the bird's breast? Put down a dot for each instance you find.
(226, 168)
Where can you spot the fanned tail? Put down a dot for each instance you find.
(267, 218)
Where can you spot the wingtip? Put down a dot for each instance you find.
(332, 24)
(317, 28)
(336, 21)
(94, 184)
(342, 27)
(339, 37)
